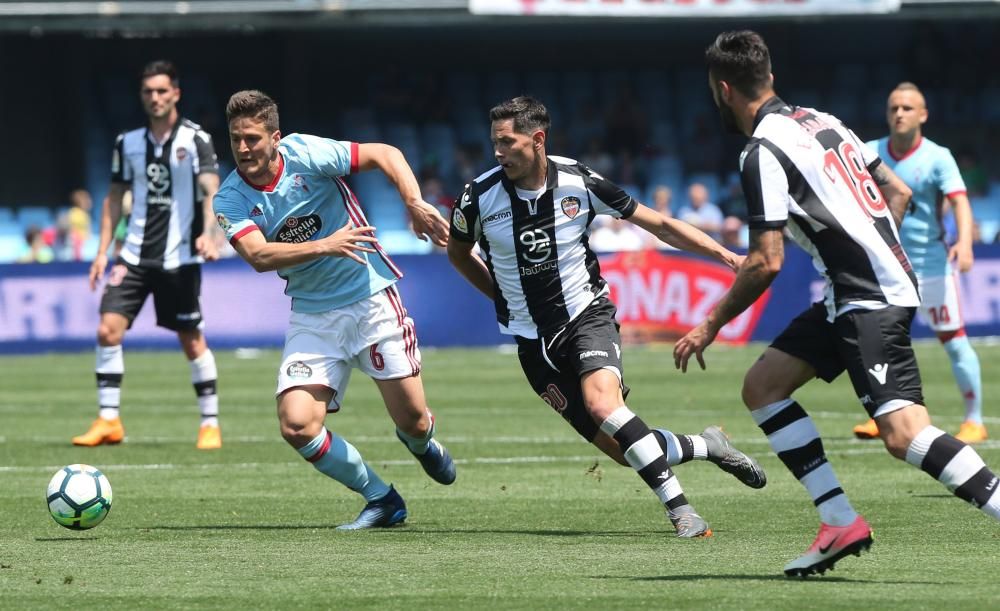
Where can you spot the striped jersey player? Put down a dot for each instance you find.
(169, 165)
(529, 217)
(286, 208)
(805, 173)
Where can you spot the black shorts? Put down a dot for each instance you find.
(872, 345)
(175, 294)
(555, 364)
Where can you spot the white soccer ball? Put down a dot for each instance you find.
(79, 497)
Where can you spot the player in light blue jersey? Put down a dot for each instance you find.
(286, 208)
(931, 172)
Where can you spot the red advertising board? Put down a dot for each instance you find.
(661, 297)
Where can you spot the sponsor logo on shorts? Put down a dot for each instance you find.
(618, 349)
(570, 206)
(117, 275)
(589, 354)
(458, 220)
(879, 372)
(298, 369)
(866, 400)
(298, 229)
(189, 316)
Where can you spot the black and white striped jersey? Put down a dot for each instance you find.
(535, 244)
(167, 212)
(806, 171)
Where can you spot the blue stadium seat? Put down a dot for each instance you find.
(39, 216)
(989, 104)
(11, 247)
(380, 200)
(438, 140)
(502, 86)
(404, 137)
(7, 217)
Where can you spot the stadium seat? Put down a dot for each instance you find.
(7, 217)
(404, 137)
(39, 216)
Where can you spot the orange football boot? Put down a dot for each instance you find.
(102, 432)
(868, 430)
(971, 432)
(209, 438)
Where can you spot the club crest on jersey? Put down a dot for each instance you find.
(301, 183)
(298, 229)
(570, 206)
(181, 154)
(224, 222)
(257, 211)
(458, 220)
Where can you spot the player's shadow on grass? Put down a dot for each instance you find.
(774, 577)
(64, 539)
(401, 528)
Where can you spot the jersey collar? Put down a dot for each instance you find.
(274, 182)
(771, 106)
(913, 149)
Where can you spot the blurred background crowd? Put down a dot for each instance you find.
(629, 100)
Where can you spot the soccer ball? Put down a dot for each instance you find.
(79, 497)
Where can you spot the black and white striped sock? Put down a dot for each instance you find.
(957, 466)
(643, 453)
(794, 438)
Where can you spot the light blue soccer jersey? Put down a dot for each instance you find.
(308, 200)
(931, 172)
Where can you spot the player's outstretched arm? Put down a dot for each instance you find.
(683, 235)
(266, 256)
(111, 212)
(762, 264)
(208, 182)
(896, 193)
(961, 252)
(427, 221)
(470, 266)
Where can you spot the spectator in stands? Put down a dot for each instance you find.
(700, 212)
(608, 234)
(733, 203)
(75, 223)
(732, 233)
(37, 250)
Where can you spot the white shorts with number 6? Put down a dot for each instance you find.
(374, 335)
(939, 307)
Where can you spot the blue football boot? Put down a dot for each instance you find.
(389, 510)
(436, 461)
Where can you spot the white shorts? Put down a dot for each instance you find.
(939, 308)
(375, 335)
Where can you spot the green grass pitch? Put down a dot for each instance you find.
(537, 519)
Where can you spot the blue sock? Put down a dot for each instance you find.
(965, 366)
(334, 457)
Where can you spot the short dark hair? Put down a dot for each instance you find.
(528, 113)
(161, 66)
(254, 104)
(741, 59)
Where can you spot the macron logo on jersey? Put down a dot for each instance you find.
(879, 372)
